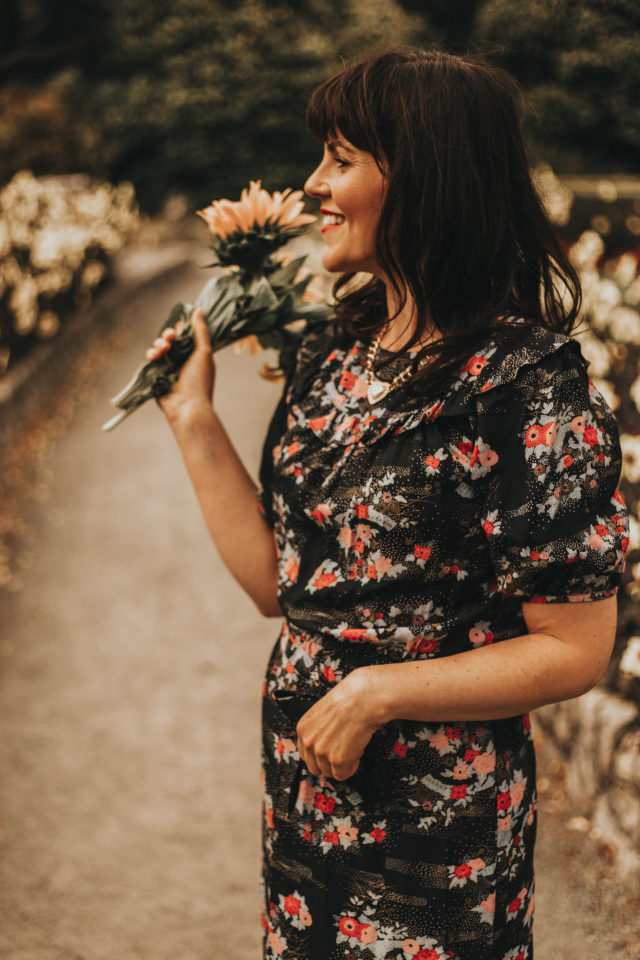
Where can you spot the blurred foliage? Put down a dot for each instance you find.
(56, 237)
(193, 97)
(579, 65)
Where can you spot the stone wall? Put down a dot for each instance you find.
(598, 736)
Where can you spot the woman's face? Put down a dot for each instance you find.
(351, 189)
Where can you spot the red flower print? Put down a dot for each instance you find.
(293, 448)
(306, 833)
(590, 435)
(331, 836)
(535, 555)
(292, 905)
(568, 460)
(515, 905)
(474, 456)
(324, 580)
(452, 732)
(348, 380)
(432, 462)
(329, 674)
(378, 834)
(534, 435)
(465, 446)
(471, 755)
(463, 870)
(280, 747)
(359, 546)
(325, 803)
(526, 721)
(348, 926)
(318, 515)
(318, 423)
(602, 530)
(400, 748)
(353, 633)
(459, 791)
(619, 498)
(474, 366)
(423, 553)
(426, 955)
(423, 645)
(362, 511)
(504, 801)
(372, 573)
(487, 526)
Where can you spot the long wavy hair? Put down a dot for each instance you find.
(462, 229)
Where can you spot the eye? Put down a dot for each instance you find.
(341, 161)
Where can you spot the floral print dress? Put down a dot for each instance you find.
(415, 529)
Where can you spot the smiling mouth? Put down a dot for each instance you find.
(331, 220)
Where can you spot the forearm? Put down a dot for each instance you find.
(227, 497)
(501, 680)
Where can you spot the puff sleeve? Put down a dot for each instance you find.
(547, 463)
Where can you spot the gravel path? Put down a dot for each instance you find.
(131, 671)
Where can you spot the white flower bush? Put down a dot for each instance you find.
(56, 237)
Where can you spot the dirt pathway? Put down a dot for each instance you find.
(131, 671)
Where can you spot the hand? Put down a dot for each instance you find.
(194, 387)
(333, 733)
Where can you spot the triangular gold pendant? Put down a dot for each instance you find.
(377, 391)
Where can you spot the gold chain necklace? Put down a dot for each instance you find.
(378, 389)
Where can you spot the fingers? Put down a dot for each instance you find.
(161, 344)
(200, 330)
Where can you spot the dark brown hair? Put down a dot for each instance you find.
(462, 229)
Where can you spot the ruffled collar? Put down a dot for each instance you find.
(328, 390)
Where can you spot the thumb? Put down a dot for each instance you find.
(200, 330)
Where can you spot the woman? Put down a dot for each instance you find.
(439, 526)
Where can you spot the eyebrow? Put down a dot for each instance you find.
(333, 145)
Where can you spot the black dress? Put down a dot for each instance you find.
(411, 530)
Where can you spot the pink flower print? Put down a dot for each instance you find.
(386, 497)
(489, 905)
(476, 636)
(596, 542)
(531, 907)
(517, 792)
(459, 457)
(305, 918)
(484, 763)
(367, 933)
(578, 424)
(504, 823)
(489, 458)
(410, 946)
(347, 536)
(288, 745)
(307, 792)
(291, 569)
(477, 864)
(383, 564)
(460, 771)
(275, 943)
(439, 741)
(310, 647)
(318, 423)
(350, 834)
(363, 531)
(360, 388)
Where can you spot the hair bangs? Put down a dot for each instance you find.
(340, 106)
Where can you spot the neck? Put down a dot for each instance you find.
(400, 329)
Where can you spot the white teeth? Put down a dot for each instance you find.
(331, 219)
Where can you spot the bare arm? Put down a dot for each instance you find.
(564, 654)
(225, 491)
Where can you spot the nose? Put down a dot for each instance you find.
(315, 185)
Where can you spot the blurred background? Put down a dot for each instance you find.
(125, 713)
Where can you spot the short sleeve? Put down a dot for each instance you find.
(547, 464)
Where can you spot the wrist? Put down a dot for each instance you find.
(190, 414)
(378, 693)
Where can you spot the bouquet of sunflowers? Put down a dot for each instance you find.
(260, 299)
